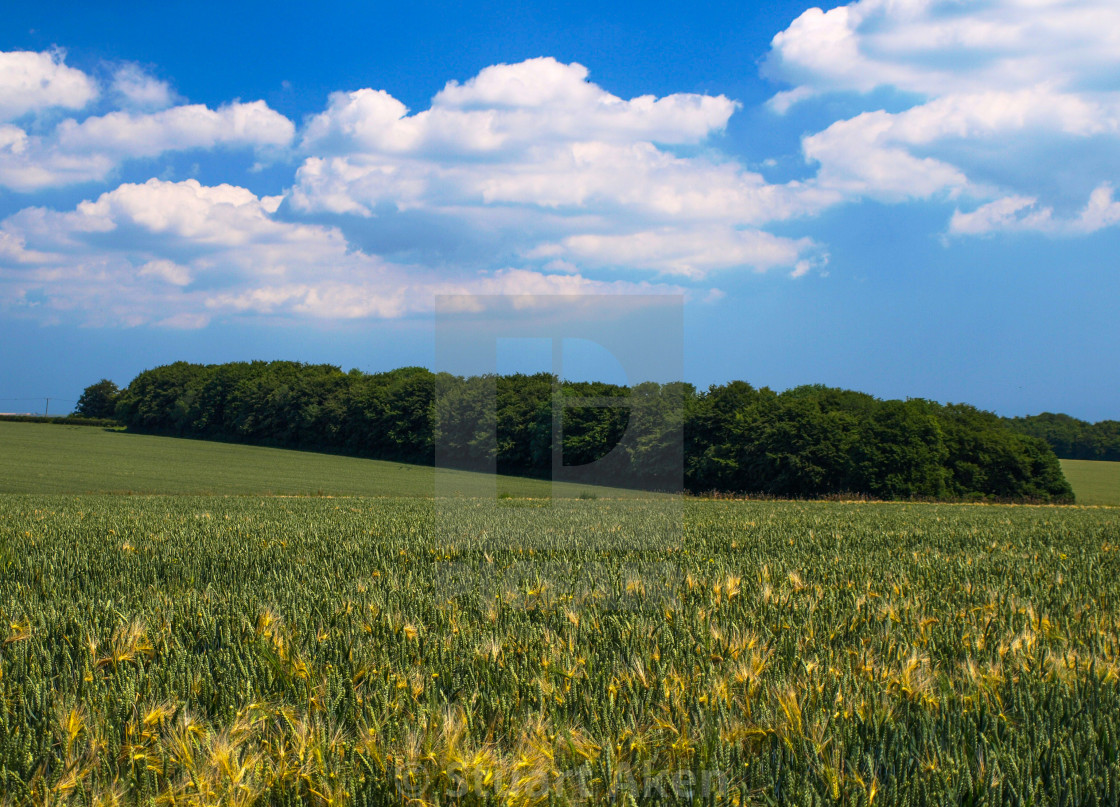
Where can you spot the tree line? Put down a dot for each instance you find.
(809, 441)
(1073, 439)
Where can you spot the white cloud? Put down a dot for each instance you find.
(535, 168)
(537, 155)
(136, 89)
(511, 108)
(13, 140)
(222, 215)
(865, 157)
(1023, 214)
(1100, 212)
(179, 254)
(941, 47)
(1004, 93)
(171, 217)
(178, 128)
(587, 176)
(687, 253)
(90, 150)
(167, 271)
(883, 154)
(536, 133)
(32, 82)
(1009, 213)
(531, 154)
(13, 250)
(517, 282)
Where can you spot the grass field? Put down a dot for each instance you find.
(1094, 482)
(49, 458)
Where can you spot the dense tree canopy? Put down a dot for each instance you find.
(1073, 439)
(805, 442)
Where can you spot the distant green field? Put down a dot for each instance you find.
(47, 458)
(1094, 482)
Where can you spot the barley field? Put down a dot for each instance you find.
(251, 650)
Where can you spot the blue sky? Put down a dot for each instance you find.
(912, 198)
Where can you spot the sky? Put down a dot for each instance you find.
(912, 198)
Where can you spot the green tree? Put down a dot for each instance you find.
(99, 400)
(807, 441)
(901, 452)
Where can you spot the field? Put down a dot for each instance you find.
(1094, 482)
(237, 650)
(49, 458)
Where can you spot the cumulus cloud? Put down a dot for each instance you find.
(894, 155)
(90, 150)
(181, 127)
(941, 47)
(564, 175)
(635, 179)
(867, 156)
(1002, 93)
(677, 251)
(146, 124)
(167, 271)
(134, 88)
(180, 254)
(511, 108)
(182, 229)
(1009, 213)
(1100, 212)
(188, 212)
(1024, 214)
(32, 82)
(534, 168)
(535, 133)
(553, 163)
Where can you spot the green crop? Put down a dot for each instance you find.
(1094, 481)
(189, 650)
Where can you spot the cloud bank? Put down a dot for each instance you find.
(567, 184)
(546, 158)
(1002, 93)
(532, 178)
